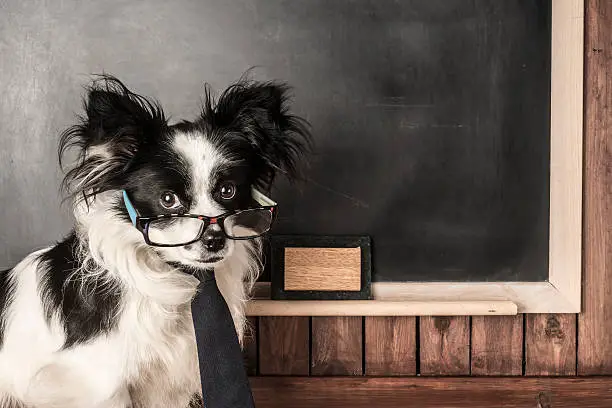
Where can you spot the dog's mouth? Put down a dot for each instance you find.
(210, 259)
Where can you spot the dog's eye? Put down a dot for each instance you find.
(227, 190)
(170, 200)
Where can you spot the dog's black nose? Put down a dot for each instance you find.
(213, 240)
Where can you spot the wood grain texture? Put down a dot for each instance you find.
(337, 346)
(566, 149)
(530, 297)
(445, 345)
(390, 346)
(550, 344)
(323, 269)
(497, 345)
(360, 392)
(260, 307)
(595, 324)
(451, 298)
(284, 345)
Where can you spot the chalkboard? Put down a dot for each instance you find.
(432, 126)
(430, 116)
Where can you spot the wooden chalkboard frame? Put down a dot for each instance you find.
(561, 293)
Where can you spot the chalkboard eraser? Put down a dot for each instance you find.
(320, 267)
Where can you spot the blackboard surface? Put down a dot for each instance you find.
(430, 116)
(432, 126)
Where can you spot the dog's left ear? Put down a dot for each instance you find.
(258, 113)
(116, 125)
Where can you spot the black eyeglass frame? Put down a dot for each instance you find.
(142, 224)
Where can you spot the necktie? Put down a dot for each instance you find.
(224, 380)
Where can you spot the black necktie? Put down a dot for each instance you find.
(224, 380)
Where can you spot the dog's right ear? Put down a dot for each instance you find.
(116, 124)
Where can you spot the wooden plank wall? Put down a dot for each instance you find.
(531, 345)
(520, 346)
(594, 339)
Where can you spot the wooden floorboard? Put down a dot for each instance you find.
(444, 345)
(284, 345)
(550, 344)
(468, 392)
(497, 345)
(390, 346)
(337, 346)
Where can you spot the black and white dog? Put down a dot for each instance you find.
(102, 319)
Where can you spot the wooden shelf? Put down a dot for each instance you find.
(261, 307)
(387, 302)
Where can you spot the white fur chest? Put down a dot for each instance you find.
(159, 345)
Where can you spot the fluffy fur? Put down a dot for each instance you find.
(101, 319)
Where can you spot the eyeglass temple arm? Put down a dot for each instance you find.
(130, 207)
(261, 198)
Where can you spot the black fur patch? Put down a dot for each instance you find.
(196, 401)
(121, 121)
(251, 121)
(154, 172)
(6, 289)
(86, 313)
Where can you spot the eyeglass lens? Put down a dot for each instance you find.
(183, 230)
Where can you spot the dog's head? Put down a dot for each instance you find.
(208, 167)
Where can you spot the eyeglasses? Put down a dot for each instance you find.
(171, 230)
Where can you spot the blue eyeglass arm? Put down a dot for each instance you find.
(130, 207)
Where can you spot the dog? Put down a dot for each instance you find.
(102, 319)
